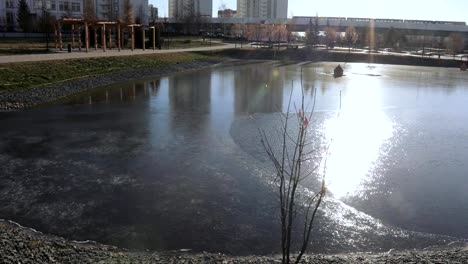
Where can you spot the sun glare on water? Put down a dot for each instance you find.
(356, 135)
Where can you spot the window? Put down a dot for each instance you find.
(10, 4)
(76, 7)
(63, 6)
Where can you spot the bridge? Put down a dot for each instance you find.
(301, 24)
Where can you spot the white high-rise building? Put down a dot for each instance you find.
(183, 8)
(276, 9)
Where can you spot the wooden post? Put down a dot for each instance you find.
(95, 37)
(154, 38)
(60, 36)
(86, 36)
(110, 38)
(103, 37)
(79, 38)
(118, 37)
(133, 38)
(73, 36)
(143, 36)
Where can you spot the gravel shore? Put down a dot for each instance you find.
(27, 98)
(23, 245)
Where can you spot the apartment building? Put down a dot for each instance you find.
(272, 9)
(57, 8)
(112, 10)
(183, 8)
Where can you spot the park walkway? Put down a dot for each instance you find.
(63, 55)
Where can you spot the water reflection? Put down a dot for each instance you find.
(357, 134)
(259, 90)
(144, 163)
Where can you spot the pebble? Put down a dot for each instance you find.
(21, 245)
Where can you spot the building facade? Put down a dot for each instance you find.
(184, 8)
(271, 9)
(112, 10)
(153, 13)
(57, 8)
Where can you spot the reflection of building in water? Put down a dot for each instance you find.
(122, 92)
(259, 89)
(190, 93)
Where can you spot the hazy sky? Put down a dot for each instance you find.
(453, 10)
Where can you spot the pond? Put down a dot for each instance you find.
(176, 162)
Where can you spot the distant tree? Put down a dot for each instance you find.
(89, 12)
(128, 14)
(280, 33)
(313, 33)
(255, 32)
(456, 43)
(351, 37)
(330, 37)
(316, 39)
(23, 16)
(394, 38)
(46, 24)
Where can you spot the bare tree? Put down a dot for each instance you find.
(23, 16)
(456, 43)
(330, 37)
(255, 32)
(351, 37)
(295, 149)
(128, 14)
(89, 12)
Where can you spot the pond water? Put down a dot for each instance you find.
(176, 162)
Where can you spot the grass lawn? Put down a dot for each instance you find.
(25, 75)
(37, 46)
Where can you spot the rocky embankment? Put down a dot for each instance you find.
(27, 98)
(23, 245)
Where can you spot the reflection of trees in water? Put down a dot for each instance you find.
(259, 89)
(125, 92)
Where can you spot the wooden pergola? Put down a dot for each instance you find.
(106, 28)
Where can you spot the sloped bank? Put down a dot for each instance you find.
(23, 245)
(19, 99)
(303, 55)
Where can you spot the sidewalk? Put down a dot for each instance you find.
(63, 55)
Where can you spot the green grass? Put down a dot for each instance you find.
(26, 75)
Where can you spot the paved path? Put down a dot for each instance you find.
(99, 53)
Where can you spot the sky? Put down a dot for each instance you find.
(448, 10)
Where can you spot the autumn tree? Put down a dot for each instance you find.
(23, 16)
(351, 37)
